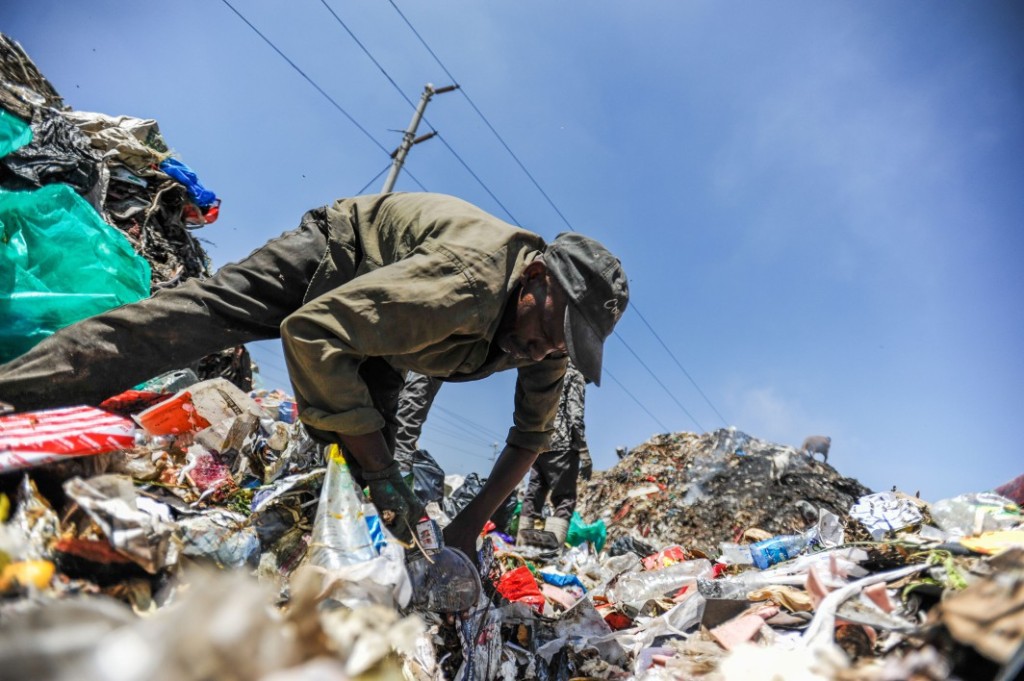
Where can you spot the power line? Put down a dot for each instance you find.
(457, 449)
(308, 79)
(672, 355)
(477, 178)
(528, 174)
(479, 439)
(367, 52)
(658, 380)
(490, 434)
(480, 113)
(610, 375)
(391, 80)
(375, 178)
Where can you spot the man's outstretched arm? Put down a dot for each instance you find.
(509, 469)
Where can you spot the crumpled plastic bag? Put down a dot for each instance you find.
(59, 263)
(579, 532)
(14, 133)
(884, 512)
(519, 586)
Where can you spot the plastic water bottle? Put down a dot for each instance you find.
(768, 552)
(340, 533)
(734, 587)
(636, 587)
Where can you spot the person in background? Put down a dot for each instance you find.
(556, 471)
(414, 402)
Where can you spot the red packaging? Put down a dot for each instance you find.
(172, 416)
(665, 557)
(38, 437)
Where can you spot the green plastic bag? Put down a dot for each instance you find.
(580, 532)
(59, 263)
(14, 133)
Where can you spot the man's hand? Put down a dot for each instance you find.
(398, 506)
(461, 534)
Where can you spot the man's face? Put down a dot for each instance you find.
(538, 329)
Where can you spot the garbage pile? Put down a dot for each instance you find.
(67, 179)
(191, 531)
(702, 489)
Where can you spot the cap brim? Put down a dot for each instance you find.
(585, 346)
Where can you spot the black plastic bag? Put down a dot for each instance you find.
(502, 518)
(427, 477)
(627, 544)
(58, 153)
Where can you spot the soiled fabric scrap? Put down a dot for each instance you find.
(794, 600)
(136, 142)
(557, 595)
(743, 628)
(884, 512)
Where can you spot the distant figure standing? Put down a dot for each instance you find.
(817, 444)
(555, 472)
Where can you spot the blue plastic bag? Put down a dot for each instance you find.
(59, 263)
(203, 197)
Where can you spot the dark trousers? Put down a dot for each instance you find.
(553, 472)
(89, 361)
(414, 403)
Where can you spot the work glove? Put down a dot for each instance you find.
(398, 506)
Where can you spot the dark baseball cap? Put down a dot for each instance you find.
(598, 294)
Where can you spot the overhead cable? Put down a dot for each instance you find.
(672, 355)
(664, 428)
(391, 80)
(658, 380)
(481, 114)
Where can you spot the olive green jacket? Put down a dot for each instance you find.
(420, 281)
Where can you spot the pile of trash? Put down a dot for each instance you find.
(95, 210)
(701, 489)
(189, 530)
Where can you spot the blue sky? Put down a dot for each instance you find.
(819, 205)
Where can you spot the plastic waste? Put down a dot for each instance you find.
(637, 587)
(340, 534)
(734, 587)
(780, 548)
(970, 514)
(14, 133)
(170, 382)
(735, 554)
(428, 477)
(202, 196)
(443, 578)
(61, 263)
(35, 438)
(579, 532)
(885, 512)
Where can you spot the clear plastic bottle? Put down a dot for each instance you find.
(636, 587)
(340, 534)
(734, 587)
(777, 549)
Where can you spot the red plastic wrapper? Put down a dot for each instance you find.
(38, 437)
(519, 586)
(665, 557)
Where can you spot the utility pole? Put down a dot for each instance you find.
(409, 138)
